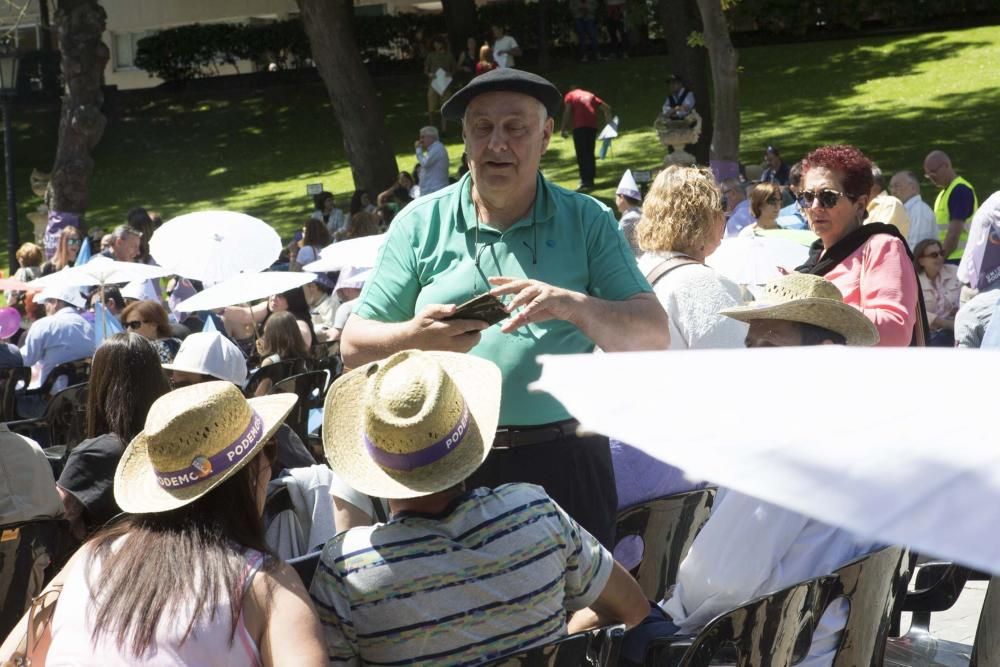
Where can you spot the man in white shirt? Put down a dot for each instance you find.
(433, 159)
(749, 547)
(883, 207)
(62, 336)
(737, 206)
(905, 187)
(505, 48)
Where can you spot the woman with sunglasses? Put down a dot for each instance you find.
(765, 203)
(870, 264)
(941, 290)
(66, 251)
(149, 319)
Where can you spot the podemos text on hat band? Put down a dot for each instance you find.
(421, 457)
(203, 467)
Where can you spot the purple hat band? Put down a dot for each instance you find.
(425, 456)
(203, 467)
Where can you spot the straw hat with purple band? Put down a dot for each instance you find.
(504, 79)
(413, 424)
(195, 438)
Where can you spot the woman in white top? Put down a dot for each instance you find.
(315, 237)
(186, 579)
(941, 288)
(765, 204)
(683, 223)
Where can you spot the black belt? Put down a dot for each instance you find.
(509, 437)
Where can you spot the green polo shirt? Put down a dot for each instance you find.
(569, 240)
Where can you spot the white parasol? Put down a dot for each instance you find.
(754, 260)
(99, 271)
(360, 253)
(243, 289)
(807, 439)
(213, 246)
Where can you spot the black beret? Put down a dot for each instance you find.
(504, 79)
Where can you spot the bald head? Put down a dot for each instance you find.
(937, 167)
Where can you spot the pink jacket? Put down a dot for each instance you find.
(878, 279)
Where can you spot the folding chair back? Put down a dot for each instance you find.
(871, 584)
(275, 372)
(10, 378)
(986, 651)
(30, 554)
(310, 387)
(667, 527)
(63, 424)
(773, 630)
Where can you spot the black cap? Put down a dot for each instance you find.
(504, 79)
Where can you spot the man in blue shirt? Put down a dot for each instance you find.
(62, 336)
(433, 159)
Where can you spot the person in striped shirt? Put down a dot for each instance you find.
(456, 576)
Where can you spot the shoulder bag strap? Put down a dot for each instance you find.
(668, 265)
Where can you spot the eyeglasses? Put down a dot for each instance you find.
(827, 198)
(72, 241)
(932, 255)
(134, 325)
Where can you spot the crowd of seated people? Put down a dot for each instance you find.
(187, 458)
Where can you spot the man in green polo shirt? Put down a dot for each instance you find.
(570, 279)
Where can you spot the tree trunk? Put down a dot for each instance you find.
(460, 18)
(50, 68)
(80, 24)
(679, 19)
(544, 55)
(725, 154)
(329, 25)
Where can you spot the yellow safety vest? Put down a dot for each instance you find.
(944, 217)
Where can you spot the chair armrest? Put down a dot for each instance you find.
(938, 586)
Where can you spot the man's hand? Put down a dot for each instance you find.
(429, 332)
(416, 144)
(537, 301)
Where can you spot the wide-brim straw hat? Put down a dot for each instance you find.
(411, 425)
(194, 439)
(809, 299)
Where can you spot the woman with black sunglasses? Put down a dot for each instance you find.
(869, 263)
(941, 290)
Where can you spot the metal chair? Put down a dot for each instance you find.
(569, 651)
(667, 527)
(872, 584)
(63, 424)
(311, 388)
(306, 566)
(10, 380)
(606, 645)
(74, 372)
(773, 630)
(30, 555)
(275, 372)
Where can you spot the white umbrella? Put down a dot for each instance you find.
(99, 271)
(754, 260)
(825, 442)
(244, 288)
(360, 253)
(213, 246)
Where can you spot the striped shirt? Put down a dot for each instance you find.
(495, 572)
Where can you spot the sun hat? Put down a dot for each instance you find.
(194, 439)
(210, 353)
(140, 290)
(506, 79)
(70, 295)
(353, 277)
(413, 424)
(628, 187)
(809, 299)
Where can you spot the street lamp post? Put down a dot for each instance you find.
(8, 88)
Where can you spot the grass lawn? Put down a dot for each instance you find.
(255, 151)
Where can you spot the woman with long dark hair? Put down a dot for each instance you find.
(282, 341)
(125, 379)
(187, 578)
